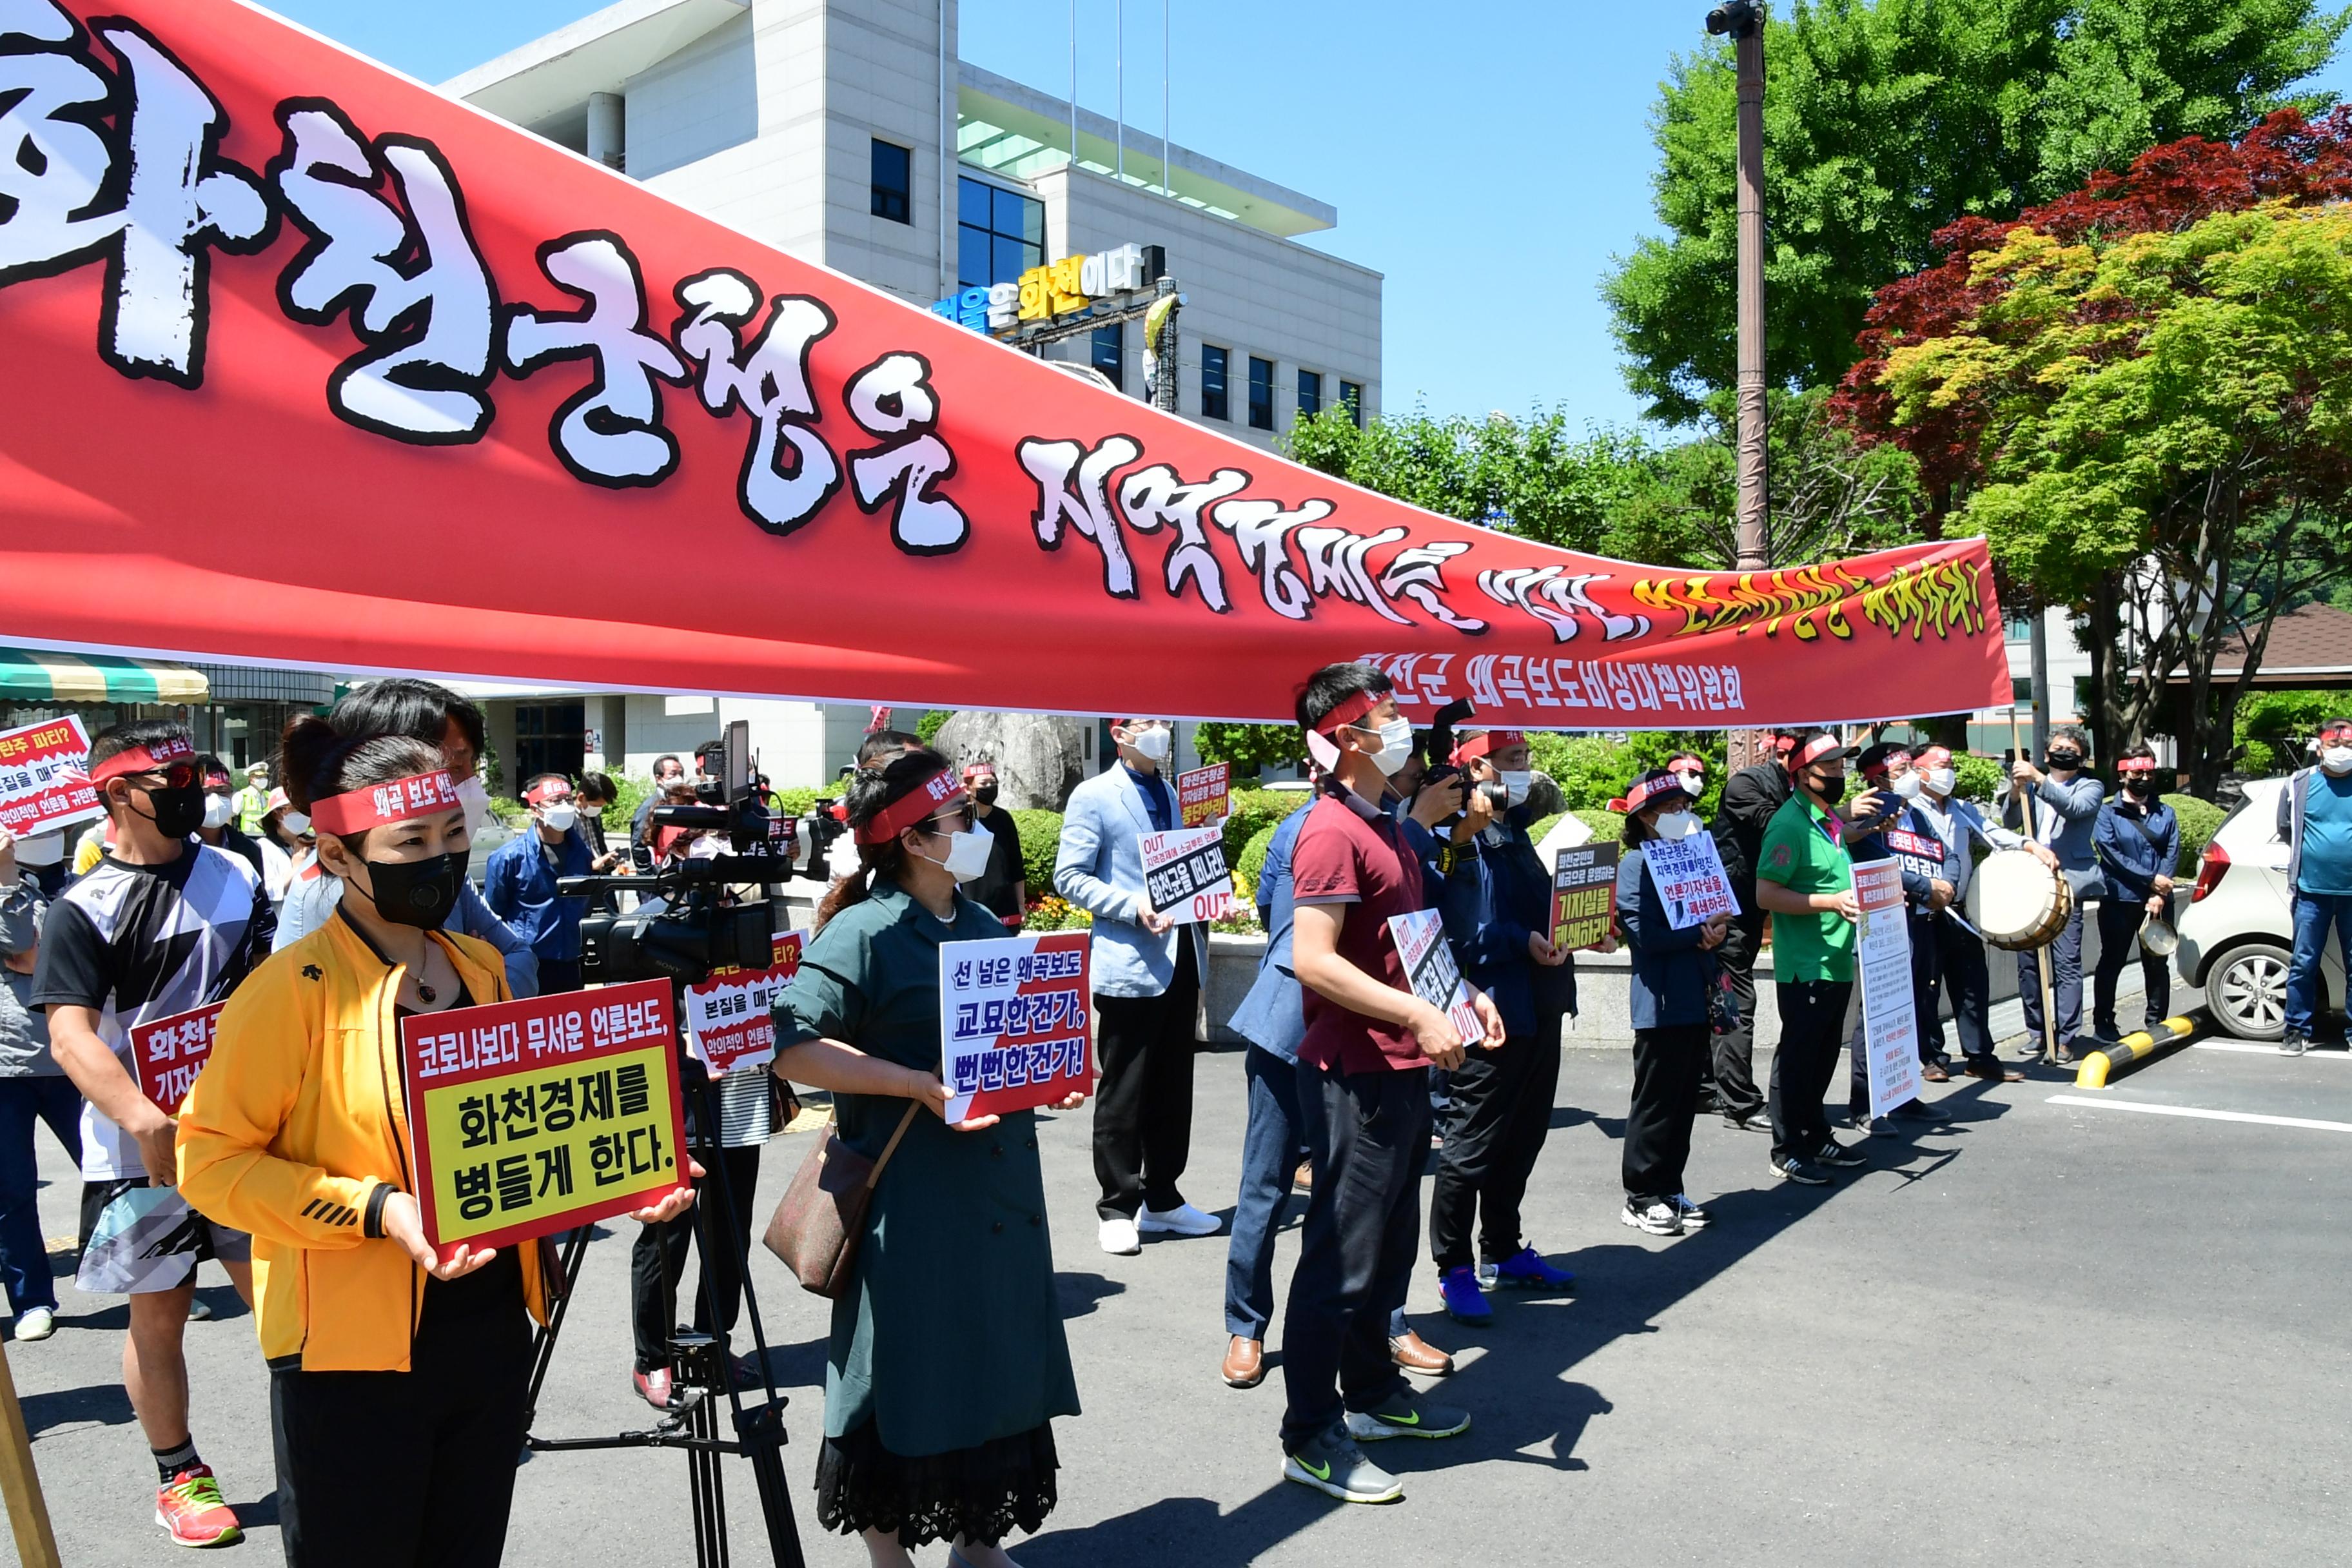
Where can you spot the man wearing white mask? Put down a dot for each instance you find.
(2314, 820)
(220, 828)
(519, 882)
(1146, 981)
(1960, 971)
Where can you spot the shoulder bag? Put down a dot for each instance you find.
(815, 1228)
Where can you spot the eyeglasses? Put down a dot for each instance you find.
(962, 820)
(179, 775)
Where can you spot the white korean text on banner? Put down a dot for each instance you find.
(39, 765)
(170, 1052)
(1419, 938)
(1013, 1022)
(1204, 795)
(1185, 876)
(730, 1019)
(1688, 875)
(1890, 1032)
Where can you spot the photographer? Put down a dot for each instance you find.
(291, 1132)
(946, 1363)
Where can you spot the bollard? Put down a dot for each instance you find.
(2103, 1063)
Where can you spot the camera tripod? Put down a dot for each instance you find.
(700, 1373)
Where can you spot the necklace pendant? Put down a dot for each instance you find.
(427, 993)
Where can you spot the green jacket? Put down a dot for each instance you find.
(952, 1335)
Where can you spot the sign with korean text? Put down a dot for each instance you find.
(170, 1052)
(1013, 1022)
(1689, 877)
(249, 280)
(728, 1019)
(534, 1116)
(1185, 877)
(1204, 795)
(1890, 1031)
(1921, 853)
(1429, 966)
(1583, 896)
(37, 764)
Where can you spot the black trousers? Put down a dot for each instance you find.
(2065, 951)
(1498, 1117)
(1666, 1066)
(1143, 1102)
(1813, 1028)
(1922, 932)
(404, 1469)
(657, 1262)
(2119, 923)
(1736, 1093)
(1366, 1133)
(1961, 974)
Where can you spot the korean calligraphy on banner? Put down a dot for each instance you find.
(1583, 896)
(170, 1052)
(37, 764)
(1013, 1022)
(1185, 876)
(728, 1020)
(530, 1116)
(300, 285)
(1204, 795)
(1690, 880)
(1429, 964)
(1890, 1031)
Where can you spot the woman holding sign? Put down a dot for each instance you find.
(295, 1132)
(947, 1363)
(1673, 985)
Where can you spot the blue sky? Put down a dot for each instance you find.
(1490, 167)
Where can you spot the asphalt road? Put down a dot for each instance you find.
(2059, 1333)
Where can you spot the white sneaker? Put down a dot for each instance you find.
(1181, 1220)
(1655, 1219)
(36, 1323)
(1118, 1238)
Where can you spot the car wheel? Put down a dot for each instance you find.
(2246, 992)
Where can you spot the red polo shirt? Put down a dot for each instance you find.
(1350, 853)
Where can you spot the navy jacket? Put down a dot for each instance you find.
(2126, 855)
(1909, 838)
(1671, 984)
(1492, 891)
(519, 884)
(1273, 1016)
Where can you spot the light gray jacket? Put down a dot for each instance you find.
(24, 1031)
(2073, 807)
(1099, 868)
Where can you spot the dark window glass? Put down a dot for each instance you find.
(1003, 234)
(1012, 258)
(971, 202)
(1110, 352)
(1351, 394)
(1261, 394)
(1310, 394)
(1212, 382)
(894, 181)
(971, 257)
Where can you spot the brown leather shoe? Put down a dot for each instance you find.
(1990, 1070)
(1933, 1072)
(1303, 1179)
(1416, 1355)
(1244, 1363)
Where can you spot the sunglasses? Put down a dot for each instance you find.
(962, 820)
(178, 775)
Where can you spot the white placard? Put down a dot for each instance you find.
(1890, 1031)
(1185, 877)
(1689, 876)
(1429, 966)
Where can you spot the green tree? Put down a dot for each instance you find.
(1887, 119)
(1248, 747)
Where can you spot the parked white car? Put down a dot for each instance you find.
(2237, 932)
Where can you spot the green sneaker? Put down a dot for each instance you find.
(1406, 1415)
(1334, 1466)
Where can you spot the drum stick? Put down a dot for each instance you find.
(2042, 953)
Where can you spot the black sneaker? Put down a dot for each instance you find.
(2294, 1045)
(1694, 1216)
(1334, 1466)
(1792, 1168)
(1754, 1121)
(1405, 1413)
(1836, 1153)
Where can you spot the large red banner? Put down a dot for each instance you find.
(307, 365)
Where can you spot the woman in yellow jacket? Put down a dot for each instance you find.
(297, 1132)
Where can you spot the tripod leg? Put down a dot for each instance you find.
(542, 1345)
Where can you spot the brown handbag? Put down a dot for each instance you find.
(815, 1228)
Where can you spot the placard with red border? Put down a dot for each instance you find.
(36, 764)
(728, 1017)
(1013, 1022)
(1204, 795)
(170, 1052)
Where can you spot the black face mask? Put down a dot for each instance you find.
(985, 794)
(2064, 762)
(1831, 790)
(419, 893)
(177, 812)
(2141, 787)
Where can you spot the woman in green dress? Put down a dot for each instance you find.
(946, 1363)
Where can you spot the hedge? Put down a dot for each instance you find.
(1041, 839)
(1251, 862)
(1252, 811)
(2199, 820)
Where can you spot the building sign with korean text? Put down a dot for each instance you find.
(1014, 1022)
(1057, 290)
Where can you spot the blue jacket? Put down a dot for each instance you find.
(2125, 855)
(1671, 982)
(519, 884)
(1273, 1016)
(1492, 892)
(2075, 807)
(1099, 868)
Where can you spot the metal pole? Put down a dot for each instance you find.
(1122, 131)
(1166, 189)
(1751, 540)
(1073, 83)
(2042, 953)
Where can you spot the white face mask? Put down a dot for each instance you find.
(220, 810)
(41, 850)
(475, 796)
(1396, 747)
(1907, 787)
(1677, 823)
(295, 823)
(967, 855)
(1695, 783)
(2337, 759)
(1154, 743)
(1940, 782)
(1518, 781)
(562, 817)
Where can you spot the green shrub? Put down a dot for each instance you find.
(796, 802)
(1041, 839)
(931, 723)
(1608, 827)
(1251, 863)
(1252, 812)
(1542, 826)
(1975, 778)
(2199, 820)
(628, 795)
(1591, 771)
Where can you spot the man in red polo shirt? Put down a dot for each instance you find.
(1363, 1098)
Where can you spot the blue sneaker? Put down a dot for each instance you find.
(1528, 1271)
(1465, 1303)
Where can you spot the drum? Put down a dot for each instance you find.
(2021, 903)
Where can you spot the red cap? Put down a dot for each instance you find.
(1645, 790)
(1486, 742)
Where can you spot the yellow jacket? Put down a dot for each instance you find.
(296, 1131)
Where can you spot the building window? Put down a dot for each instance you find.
(1212, 382)
(550, 737)
(1351, 398)
(894, 181)
(1109, 353)
(1000, 234)
(1261, 390)
(1310, 394)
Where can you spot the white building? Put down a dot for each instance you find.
(848, 133)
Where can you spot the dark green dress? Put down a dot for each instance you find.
(948, 1359)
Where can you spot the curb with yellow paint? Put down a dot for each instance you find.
(2130, 1050)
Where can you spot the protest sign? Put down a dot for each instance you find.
(1583, 896)
(1419, 938)
(1013, 1022)
(1204, 795)
(535, 1116)
(170, 1052)
(728, 1019)
(1689, 877)
(1890, 1033)
(1185, 877)
(36, 764)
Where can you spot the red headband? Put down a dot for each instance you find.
(1877, 770)
(1932, 757)
(1348, 712)
(915, 807)
(151, 758)
(1645, 790)
(546, 790)
(1486, 743)
(976, 769)
(356, 811)
(1813, 752)
(2136, 766)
